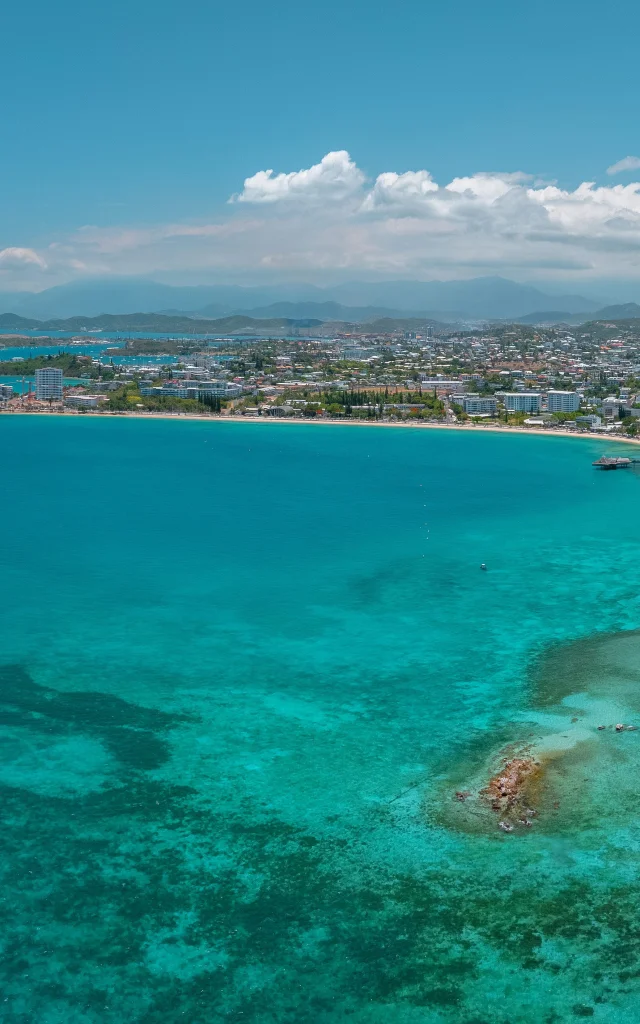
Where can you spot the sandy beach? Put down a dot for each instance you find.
(605, 438)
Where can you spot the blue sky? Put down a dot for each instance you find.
(128, 117)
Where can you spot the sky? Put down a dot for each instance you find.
(194, 142)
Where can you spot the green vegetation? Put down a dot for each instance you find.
(350, 401)
(565, 417)
(363, 404)
(153, 347)
(129, 399)
(460, 414)
(71, 366)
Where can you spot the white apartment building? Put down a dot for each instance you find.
(196, 389)
(477, 405)
(6, 392)
(563, 401)
(49, 383)
(220, 388)
(521, 401)
(84, 401)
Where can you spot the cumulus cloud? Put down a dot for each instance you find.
(331, 219)
(399, 191)
(628, 163)
(16, 258)
(335, 177)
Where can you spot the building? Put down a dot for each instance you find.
(170, 391)
(612, 408)
(195, 389)
(83, 401)
(477, 405)
(6, 392)
(437, 382)
(563, 401)
(220, 388)
(521, 401)
(49, 383)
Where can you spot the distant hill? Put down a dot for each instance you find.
(240, 323)
(387, 325)
(323, 311)
(476, 298)
(546, 317)
(9, 321)
(156, 323)
(623, 311)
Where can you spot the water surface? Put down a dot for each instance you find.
(244, 668)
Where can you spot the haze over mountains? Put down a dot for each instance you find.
(478, 298)
(619, 311)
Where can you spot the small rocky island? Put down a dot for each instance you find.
(510, 793)
(511, 789)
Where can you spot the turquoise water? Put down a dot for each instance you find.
(32, 351)
(244, 670)
(96, 351)
(21, 384)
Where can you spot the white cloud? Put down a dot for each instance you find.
(16, 258)
(628, 163)
(335, 177)
(486, 187)
(330, 219)
(608, 211)
(399, 190)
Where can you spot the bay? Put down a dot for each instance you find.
(244, 670)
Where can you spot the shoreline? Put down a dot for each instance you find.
(475, 428)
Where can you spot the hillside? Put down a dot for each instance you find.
(9, 321)
(553, 316)
(623, 311)
(155, 323)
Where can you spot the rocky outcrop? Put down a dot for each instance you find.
(511, 790)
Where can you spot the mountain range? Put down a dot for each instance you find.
(242, 324)
(449, 301)
(620, 311)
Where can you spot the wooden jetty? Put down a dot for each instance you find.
(614, 462)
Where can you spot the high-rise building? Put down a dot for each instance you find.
(563, 401)
(49, 383)
(521, 401)
(477, 405)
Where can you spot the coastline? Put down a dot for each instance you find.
(493, 429)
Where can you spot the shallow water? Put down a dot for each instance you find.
(245, 668)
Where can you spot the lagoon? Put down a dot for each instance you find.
(246, 667)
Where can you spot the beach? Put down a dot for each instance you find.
(602, 436)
